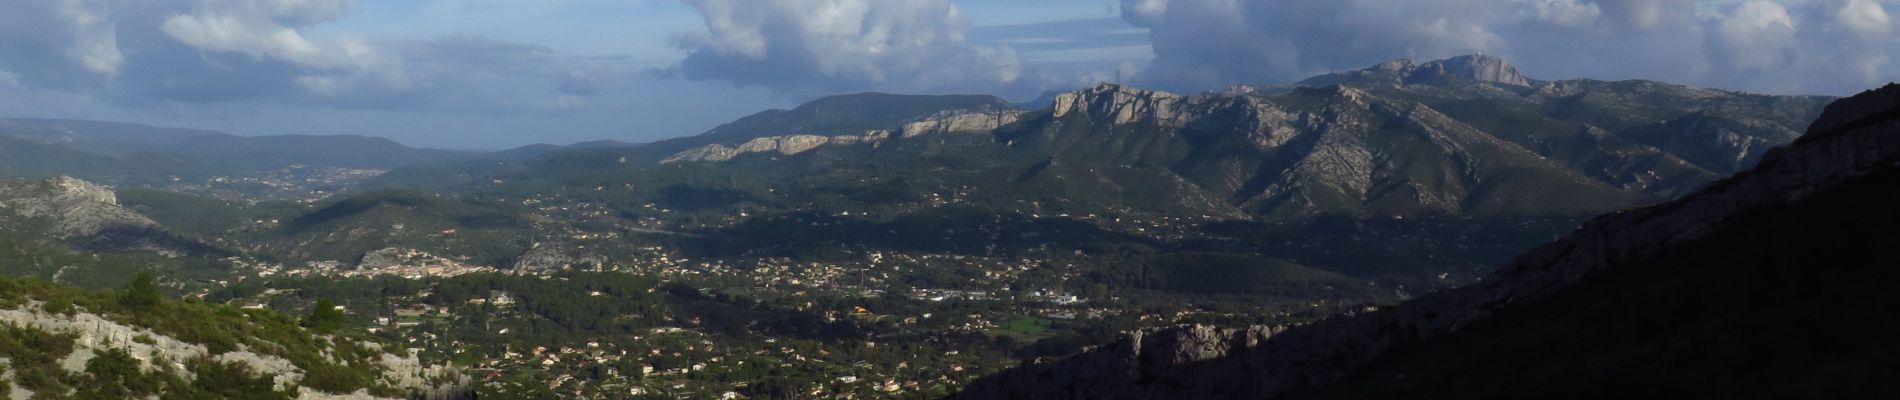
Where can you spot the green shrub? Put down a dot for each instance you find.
(58, 306)
(141, 293)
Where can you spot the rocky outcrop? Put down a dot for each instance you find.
(1335, 149)
(1854, 138)
(784, 145)
(394, 257)
(1122, 105)
(75, 207)
(980, 120)
(787, 145)
(88, 216)
(1477, 68)
(554, 257)
(153, 350)
(960, 121)
(1264, 123)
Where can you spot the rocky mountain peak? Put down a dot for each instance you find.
(1119, 104)
(1462, 69)
(1476, 67)
(78, 189)
(1403, 64)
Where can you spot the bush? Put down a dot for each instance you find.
(58, 306)
(333, 378)
(324, 317)
(141, 293)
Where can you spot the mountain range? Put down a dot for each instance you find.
(204, 162)
(1467, 136)
(1467, 148)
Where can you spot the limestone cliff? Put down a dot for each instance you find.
(980, 120)
(1477, 68)
(75, 207)
(955, 121)
(265, 345)
(783, 145)
(88, 216)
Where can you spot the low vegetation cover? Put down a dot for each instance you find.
(330, 362)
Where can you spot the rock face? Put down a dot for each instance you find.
(88, 216)
(960, 121)
(832, 116)
(1476, 68)
(784, 145)
(546, 257)
(979, 120)
(151, 349)
(76, 207)
(399, 257)
(1265, 124)
(1479, 68)
(1336, 149)
(1854, 138)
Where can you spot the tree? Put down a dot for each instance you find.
(325, 317)
(141, 292)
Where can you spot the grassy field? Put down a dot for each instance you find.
(1026, 328)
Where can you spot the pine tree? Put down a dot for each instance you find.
(325, 317)
(141, 292)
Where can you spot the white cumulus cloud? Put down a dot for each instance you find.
(805, 47)
(1811, 46)
(155, 52)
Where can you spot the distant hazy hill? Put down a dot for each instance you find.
(1773, 283)
(98, 137)
(26, 158)
(121, 152)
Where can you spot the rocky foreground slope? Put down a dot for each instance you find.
(1693, 294)
(58, 342)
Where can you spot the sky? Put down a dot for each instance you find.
(493, 74)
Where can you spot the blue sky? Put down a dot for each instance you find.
(626, 44)
(491, 74)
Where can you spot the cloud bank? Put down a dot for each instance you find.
(812, 47)
(1808, 46)
(154, 53)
